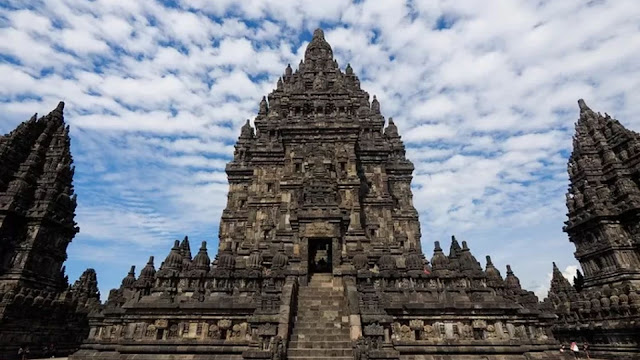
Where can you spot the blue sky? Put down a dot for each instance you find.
(484, 95)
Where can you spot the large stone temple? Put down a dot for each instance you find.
(319, 253)
(37, 306)
(603, 202)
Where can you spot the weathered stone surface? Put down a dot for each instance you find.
(603, 205)
(37, 306)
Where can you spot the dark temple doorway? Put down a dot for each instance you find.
(320, 256)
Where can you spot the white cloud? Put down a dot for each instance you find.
(156, 96)
(82, 43)
(429, 132)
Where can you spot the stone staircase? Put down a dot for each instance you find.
(321, 330)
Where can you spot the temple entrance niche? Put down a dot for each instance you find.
(320, 256)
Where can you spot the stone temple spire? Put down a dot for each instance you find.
(37, 209)
(36, 185)
(603, 197)
(603, 205)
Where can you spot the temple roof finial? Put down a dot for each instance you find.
(264, 107)
(437, 246)
(455, 246)
(318, 49)
(318, 33)
(57, 114)
(246, 131)
(583, 106)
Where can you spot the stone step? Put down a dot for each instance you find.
(305, 291)
(320, 352)
(333, 326)
(326, 317)
(321, 293)
(315, 305)
(320, 357)
(320, 309)
(337, 295)
(327, 297)
(321, 312)
(344, 331)
(318, 321)
(322, 285)
(323, 289)
(315, 308)
(322, 330)
(309, 344)
(322, 276)
(321, 337)
(328, 281)
(321, 297)
(321, 315)
(320, 324)
(308, 290)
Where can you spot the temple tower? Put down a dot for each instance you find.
(37, 209)
(37, 203)
(320, 173)
(603, 205)
(603, 200)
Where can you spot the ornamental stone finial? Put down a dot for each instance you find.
(583, 106)
(318, 49)
(264, 107)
